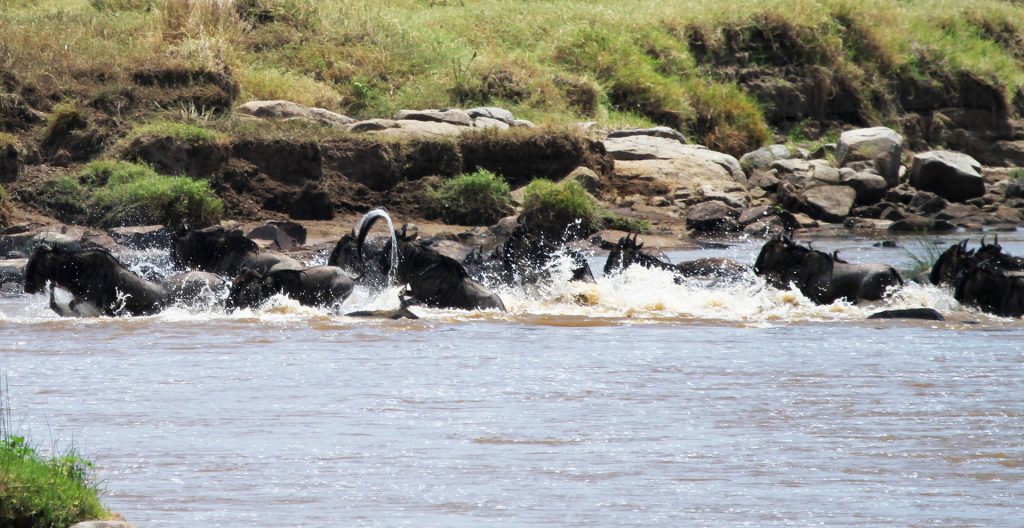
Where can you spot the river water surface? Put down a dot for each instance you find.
(634, 402)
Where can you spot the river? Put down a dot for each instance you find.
(633, 402)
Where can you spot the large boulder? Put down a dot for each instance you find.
(713, 217)
(870, 188)
(279, 109)
(491, 112)
(763, 157)
(831, 203)
(643, 147)
(951, 175)
(881, 146)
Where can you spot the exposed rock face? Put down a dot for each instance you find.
(951, 175)
(278, 109)
(452, 116)
(491, 112)
(870, 188)
(170, 155)
(879, 145)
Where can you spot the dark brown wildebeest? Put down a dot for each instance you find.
(226, 253)
(824, 278)
(627, 252)
(322, 286)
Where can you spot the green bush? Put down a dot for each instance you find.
(477, 198)
(130, 198)
(65, 197)
(610, 220)
(560, 211)
(114, 6)
(109, 172)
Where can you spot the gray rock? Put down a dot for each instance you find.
(523, 123)
(713, 217)
(641, 148)
(826, 174)
(490, 123)
(103, 524)
(407, 128)
(791, 166)
(951, 175)
(491, 112)
(870, 188)
(763, 157)
(589, 179)
(831, 203)
(763, 180)
(505, 226)
(957, 212)
(927, 203)
(880, 145)
(452, 116)
(661, 131)
(767, 227)
(279, 109)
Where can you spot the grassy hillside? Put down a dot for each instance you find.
(726, 73)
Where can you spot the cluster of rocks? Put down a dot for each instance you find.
(416, 123)
(860, 182)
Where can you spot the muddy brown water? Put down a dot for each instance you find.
(650, 404)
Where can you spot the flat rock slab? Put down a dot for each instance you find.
(407, 128)
(452, 116)
(491, 112)
(280, 109)
(661, 131)
(831, 203)
(951, 175)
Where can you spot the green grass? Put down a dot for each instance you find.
(560, 211)
(135, 194)
(186, 132)
(477, 198)
(619, 62)
(52, 492)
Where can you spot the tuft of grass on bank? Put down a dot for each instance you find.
(561, 211)
(186, 132)
(476, 198)
(41, 491)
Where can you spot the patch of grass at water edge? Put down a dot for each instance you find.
(476, 198)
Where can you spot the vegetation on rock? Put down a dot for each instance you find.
(477, 198)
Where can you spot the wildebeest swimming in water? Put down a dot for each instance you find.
(101, 285)
(319, 286)
(224, 252)
(346, 256)
(627, 252)
(822, 277)
(431, 278)
(525, 257)
(94, 277)
(986, 278)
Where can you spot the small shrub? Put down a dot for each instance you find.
(157, 199)
(65, 197)
(727, 119)
(561, 211)
(1017, 174)
(100, 173)
(300, 14)
(477, 198)
(65, 118)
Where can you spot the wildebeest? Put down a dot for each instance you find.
(95, 277)
(953, 263)
(526, 257)
(346, 256)
(822, 277)
(992, 288)
(322, 286)
(431, 278)
(627, 252)
(224, 252)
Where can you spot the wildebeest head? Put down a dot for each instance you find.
(205, 249)
(778, 258)
(951, 264)
(250, 289)
(623, 254)
(42, 267)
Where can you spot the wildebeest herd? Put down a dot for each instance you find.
(223, 267)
